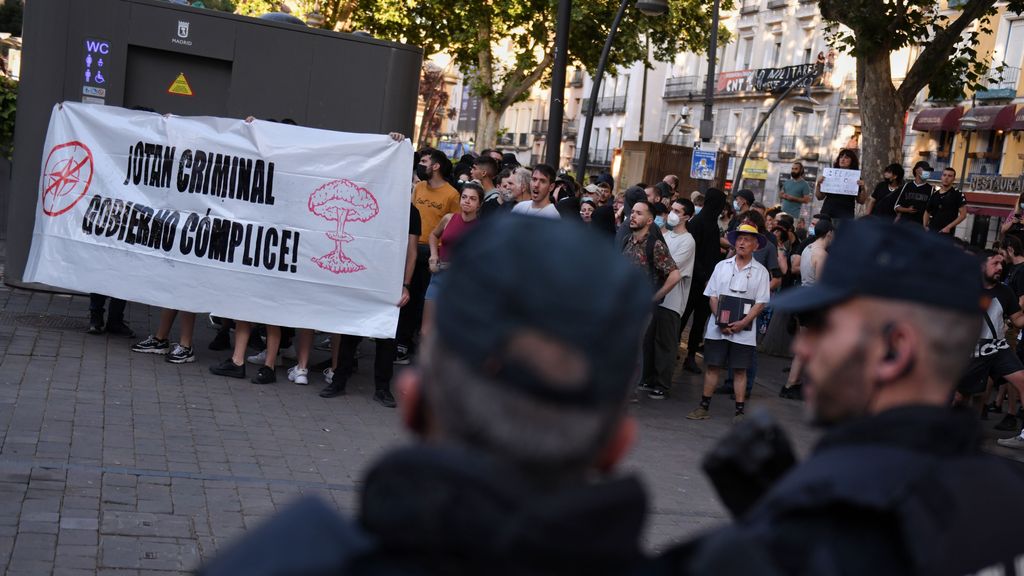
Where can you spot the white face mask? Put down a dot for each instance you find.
(736, 205)
(672, 219)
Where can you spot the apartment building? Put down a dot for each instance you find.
(979, 136)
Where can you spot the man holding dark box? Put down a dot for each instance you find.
(739, 290)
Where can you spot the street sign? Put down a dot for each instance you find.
(702, 164)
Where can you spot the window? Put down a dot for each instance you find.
(776, 51)
(748, 49)
(808, 46)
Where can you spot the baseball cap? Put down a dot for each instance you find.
(880, 259)
(591, 188)
(485, 308)
(746, 195)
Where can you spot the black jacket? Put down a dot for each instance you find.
(904, 492)
(428, 510)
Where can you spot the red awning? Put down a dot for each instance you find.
(992, 117)
(938, 119)
(1018, 121)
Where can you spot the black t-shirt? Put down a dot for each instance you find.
(839, 206)
(916, 196)
(885, 201)
(604, 219)
(1015, 279)
(1002, 305)
(944, 208)
(569, 208)
(415, 227)
(490, 207)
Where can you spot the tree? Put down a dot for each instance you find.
(474, 32)
(435, 103)
(332, 14)
(256, 7)
(948, 58)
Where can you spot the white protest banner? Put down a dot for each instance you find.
(840, 181)
(254, 221)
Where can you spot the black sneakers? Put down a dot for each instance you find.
(181, 355)
(229, 369)
(383, 397)
(794, 392)
(222, 341)
(1008, 424)
(95, 324)
(656, 394)
(119, 329)
(152, 345)
(265, 375)
(336, 387)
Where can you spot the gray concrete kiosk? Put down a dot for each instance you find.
(131, 52)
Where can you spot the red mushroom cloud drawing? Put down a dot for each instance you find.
(342, 201)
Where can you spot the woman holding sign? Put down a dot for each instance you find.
(841, 198)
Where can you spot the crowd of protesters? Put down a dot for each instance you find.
(714, 263)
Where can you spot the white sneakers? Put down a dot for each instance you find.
(298, 375)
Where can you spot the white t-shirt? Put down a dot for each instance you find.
(681, 246)
(751, 282)
(527, 208)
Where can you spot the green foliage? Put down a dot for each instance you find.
(961, 74)
(255, 7)
(10, 17)
(469, 30)
(220, 5)
(8, 109)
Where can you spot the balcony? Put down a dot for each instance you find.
(540, 127)
(787, 147)
(1000, 84)
(601, 157)
(848, 98)
(683, 86)
(750, 6)
(809, 147)
(570, 129)
(612, 105)
(680, 140)
(576, 80)
(507, 139)
(759, 149)
(584, 106)
(777, 4)
(728, 144)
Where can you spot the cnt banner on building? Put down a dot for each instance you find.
(255, 221)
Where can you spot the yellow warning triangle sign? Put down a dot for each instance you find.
(180, 86)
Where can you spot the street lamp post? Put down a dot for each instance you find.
(738, 184)
(556, 108)
(967, 125)
(649, 7)
(707, 125)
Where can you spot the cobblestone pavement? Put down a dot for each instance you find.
(119, 463)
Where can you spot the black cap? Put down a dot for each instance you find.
(561, 282)
(746, 195)
(878, 259)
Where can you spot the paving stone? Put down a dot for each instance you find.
(145, 524)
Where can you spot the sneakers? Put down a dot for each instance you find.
(95, 324)
(258, 359)
(222, 341)
(328, 375)
(384, 398)
(1017, 443)
(333, 389)
(645, 387)
(738, 417)
(402, 355)
(181, 355)
(299, 375)
(119, 329)
(794, 392)
(690, 365)
(657, 394)
(228, 368)
(1008, 424)
(265, 375)
(152, 345)
(699, 413)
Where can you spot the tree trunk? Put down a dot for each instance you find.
(882, 125)
(488, 125)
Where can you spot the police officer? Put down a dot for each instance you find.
(519, 401)
(897, 484)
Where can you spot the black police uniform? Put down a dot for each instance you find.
(429, 510)
(904, 492)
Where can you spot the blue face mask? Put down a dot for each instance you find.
(696, 209)
(736, 205)
(659, 221)
(810, 230)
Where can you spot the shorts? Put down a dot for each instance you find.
(434, 289)
(728, 354)
(975, 378)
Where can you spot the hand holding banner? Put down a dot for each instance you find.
(255, 221)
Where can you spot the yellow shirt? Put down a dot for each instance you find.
(434, 204)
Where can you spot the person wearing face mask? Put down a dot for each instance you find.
(665, 342)
(741, 203)
(795, 192)
(913, 199)
(708, 252)
(898, 483)
(501, 199)
(882, 203)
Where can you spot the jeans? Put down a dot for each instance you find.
(97, 302)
